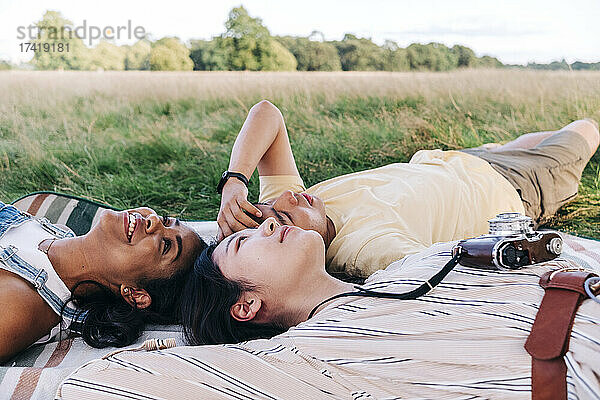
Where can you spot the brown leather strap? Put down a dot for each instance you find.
(548, 340)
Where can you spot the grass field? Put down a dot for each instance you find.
(162, 139)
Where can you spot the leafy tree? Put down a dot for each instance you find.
(137, 56)
(169, 54)
(359, 54)
(465, 56)
(54, 29)
(312, 55)
(209, 55)
(563, 65)
(275, 57)
(248, 45)
(243, 40)
(4, 65)
(240, 25)
(578, 65)
(432, 56)
(107, 56)
(488, 62)
(394, 57)
(554, 65)
(241, 53)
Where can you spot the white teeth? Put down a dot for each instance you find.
(132, 223)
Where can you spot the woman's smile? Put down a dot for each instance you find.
(132, 222)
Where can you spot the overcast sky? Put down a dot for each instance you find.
(514, 31)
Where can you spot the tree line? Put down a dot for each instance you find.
(247, 44)
(565, 66)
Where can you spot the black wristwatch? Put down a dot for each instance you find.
(225, 177)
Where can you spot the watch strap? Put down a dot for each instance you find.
(229, 174)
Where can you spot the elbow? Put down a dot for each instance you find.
(267, 111)
(265, 106)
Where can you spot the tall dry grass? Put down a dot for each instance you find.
(538, 87)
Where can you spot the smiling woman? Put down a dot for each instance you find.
(106, 285)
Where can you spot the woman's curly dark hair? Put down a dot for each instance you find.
(111, 321)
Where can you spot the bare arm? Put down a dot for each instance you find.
(262, 143)
(24, 317)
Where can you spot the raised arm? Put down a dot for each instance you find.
(262, 143)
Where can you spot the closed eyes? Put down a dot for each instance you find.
(279, 215)
(289, 217)
(239, 242)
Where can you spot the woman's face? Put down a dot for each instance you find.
(273, 257)
(138, 244)
(298, 209)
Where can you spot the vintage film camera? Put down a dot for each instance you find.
(511, 244)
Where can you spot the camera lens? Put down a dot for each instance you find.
(509, 255)
(514, 258)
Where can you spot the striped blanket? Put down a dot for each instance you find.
(37, 372)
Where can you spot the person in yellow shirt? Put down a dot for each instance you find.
(371, 218)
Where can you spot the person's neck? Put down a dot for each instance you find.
(322, 288)
(70, 259)
(329, 232)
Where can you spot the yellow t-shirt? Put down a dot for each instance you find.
(381, 215)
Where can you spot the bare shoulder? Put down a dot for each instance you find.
(24, 316)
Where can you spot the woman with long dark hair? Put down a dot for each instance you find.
(256, 283)
(128, 270)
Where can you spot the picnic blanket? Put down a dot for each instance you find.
(37, 372)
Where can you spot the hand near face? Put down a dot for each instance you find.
(233, 215)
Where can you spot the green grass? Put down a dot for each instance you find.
(162, 140)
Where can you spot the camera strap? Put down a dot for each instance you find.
(548, 341)
(413, 294)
